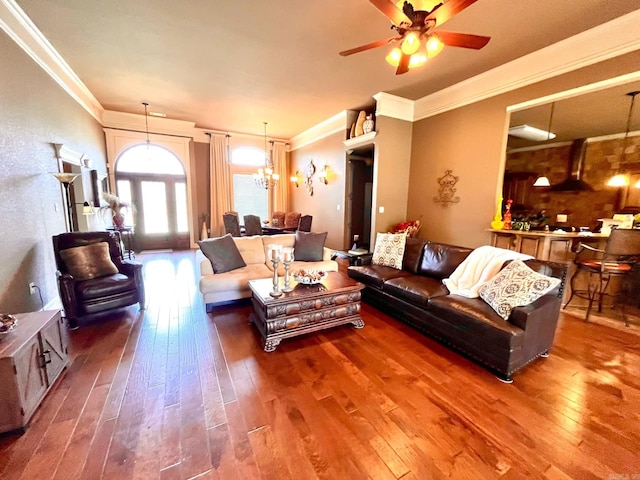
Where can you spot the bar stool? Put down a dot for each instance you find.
(617, 260)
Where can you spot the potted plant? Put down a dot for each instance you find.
(115, 209)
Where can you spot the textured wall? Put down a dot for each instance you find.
(323, 205)
(201, 185)
(36, 112)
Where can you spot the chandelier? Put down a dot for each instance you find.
(266, 178)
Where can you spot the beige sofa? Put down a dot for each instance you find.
(233, 285)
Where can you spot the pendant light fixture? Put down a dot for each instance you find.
(146, 122)
(621, 179)
(266, 178)
(543, 181)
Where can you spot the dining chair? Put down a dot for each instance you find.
(231, 224)
(305, 223)
(252, 225)
(291, 220)
(277, 219)
(616, 260)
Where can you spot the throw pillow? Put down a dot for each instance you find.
(223, 253)
(309, 246)
(389, 249)
(89, 261)
(515, 286)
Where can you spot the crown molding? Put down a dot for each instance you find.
(574, 92)
(24, 32)
(388, 105)
(606, 41)
(335, 124)
(136, 122)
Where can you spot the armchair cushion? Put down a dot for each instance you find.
(516, 285)
(222, 253)
(89, 261)
(309, 247)
(105, 286)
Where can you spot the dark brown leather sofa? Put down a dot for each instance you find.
(87, 297)
(417, 296)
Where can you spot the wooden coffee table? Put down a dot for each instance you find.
(306, 309)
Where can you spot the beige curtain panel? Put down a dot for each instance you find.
(220, 182)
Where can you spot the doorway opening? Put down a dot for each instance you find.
(153, 179)
(360, 196)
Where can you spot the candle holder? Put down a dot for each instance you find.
(287, 259)
(274, 253)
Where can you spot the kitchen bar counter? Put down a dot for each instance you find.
(541, 244)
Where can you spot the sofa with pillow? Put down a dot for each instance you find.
(230, 262)
(510, 323)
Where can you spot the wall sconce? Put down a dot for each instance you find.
(87, 209)
(323, 174)
(296, 178)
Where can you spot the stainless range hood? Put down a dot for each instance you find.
(576, 167)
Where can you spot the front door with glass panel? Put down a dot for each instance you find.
(152, 178)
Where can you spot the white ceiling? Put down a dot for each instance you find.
(231, 66)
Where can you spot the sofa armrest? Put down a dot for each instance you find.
(327, 253)
(544, 310)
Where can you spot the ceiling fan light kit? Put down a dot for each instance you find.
(415, 27)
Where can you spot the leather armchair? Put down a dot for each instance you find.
(82, 297)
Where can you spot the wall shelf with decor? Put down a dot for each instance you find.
(360, 140)
(360, 121)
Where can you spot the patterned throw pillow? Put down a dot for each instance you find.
(515, 286)
(389, 250)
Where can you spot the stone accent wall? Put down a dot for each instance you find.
(602, 160)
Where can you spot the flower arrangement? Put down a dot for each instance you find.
(114, 208)
(410, 227)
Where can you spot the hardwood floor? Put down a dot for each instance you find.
(175, 393)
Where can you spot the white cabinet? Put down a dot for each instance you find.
(32, 357)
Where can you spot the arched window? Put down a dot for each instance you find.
(153, 179)
(249, 156)
(149, 159)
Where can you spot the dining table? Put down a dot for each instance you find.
(267, 230)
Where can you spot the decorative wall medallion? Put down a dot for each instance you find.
(446, 190)
(308, 181)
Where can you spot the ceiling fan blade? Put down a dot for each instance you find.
(368, 46)
(390, 10)
(403, 66)
(447, 10)
(463, 40)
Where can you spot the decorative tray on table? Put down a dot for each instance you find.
(308, 277)
(7, 322)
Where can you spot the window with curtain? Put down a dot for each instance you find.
(248, 199)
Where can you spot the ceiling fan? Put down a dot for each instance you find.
(415, 29)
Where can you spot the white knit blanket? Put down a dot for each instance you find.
(479, 267)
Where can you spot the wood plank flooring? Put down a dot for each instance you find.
(175, 393)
